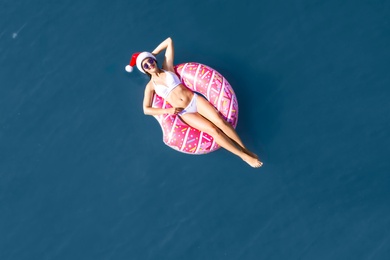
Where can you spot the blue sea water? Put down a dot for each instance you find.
(84, 174)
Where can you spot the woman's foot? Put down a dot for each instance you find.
(252, 161)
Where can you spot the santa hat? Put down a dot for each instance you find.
(137, 59)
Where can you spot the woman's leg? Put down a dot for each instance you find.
(208, 111)
(199, 122)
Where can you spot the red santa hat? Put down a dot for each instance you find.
(137, 59)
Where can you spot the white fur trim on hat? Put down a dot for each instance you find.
(141, 57)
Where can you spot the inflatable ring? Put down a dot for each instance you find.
(216, 89)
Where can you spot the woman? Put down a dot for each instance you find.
(193, 109)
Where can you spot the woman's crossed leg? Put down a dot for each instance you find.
(230, 140)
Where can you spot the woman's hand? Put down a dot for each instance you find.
(174, 110)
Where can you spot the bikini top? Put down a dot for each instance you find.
(171, 82)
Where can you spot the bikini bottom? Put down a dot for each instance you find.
(191, 108)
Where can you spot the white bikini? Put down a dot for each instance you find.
(171, 82)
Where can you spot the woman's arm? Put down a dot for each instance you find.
(166, 45)
(152, 111)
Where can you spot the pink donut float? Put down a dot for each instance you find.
(216, 89)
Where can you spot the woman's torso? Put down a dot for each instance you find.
(177, 95)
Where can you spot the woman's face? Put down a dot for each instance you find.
(149, 65)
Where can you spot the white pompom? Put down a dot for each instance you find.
(128, 68)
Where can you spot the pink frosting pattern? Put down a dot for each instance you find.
(216, 89)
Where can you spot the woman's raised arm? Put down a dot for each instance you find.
(166, 45)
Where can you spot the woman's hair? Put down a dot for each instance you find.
(147, 73)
